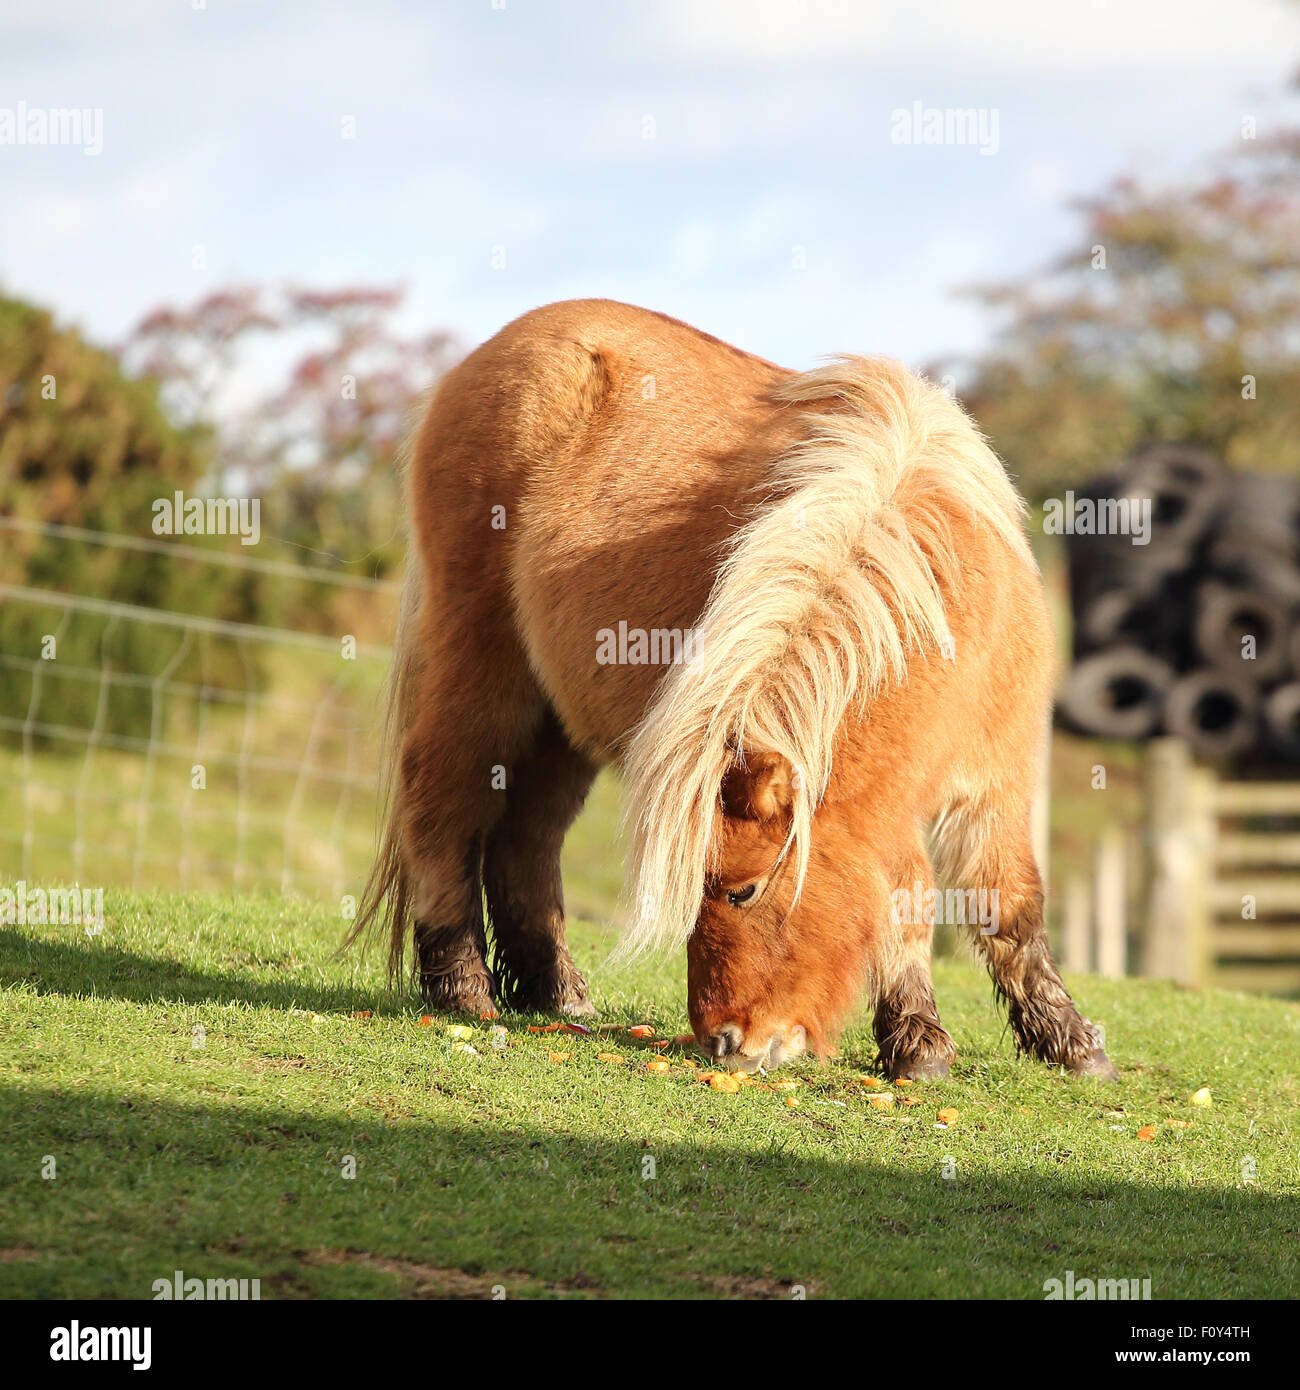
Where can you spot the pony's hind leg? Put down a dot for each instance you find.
(910, 1040)
(460, 737)
(521, 871)
(450, 944)
(984, 852)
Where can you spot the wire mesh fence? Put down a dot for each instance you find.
(217, 755)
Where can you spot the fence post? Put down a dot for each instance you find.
(1169, 869)
(1202, 832)
(1109, 905)
(1075, 925)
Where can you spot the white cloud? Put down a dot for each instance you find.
(777, 31)
(152, 196)
(45, 222)
(1025, 37)
(62, 17)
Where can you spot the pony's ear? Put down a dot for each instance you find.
(759, 786)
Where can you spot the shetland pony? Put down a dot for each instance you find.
(797, 611)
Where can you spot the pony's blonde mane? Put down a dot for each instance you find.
(818, 603)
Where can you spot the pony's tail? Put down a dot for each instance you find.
(386, 902)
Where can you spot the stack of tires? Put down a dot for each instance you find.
(1195, 633)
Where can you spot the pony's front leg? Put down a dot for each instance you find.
(910, 1040)
(1043, 1017)
(987, 850)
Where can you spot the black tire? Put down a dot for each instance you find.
(1186, 487)
(1214, 714)
(1096, 563)
(1115, 694)
(1155, 621)
(1119, 591)
(1257, 540)
(1115, 616)
(1268, 503)
(1226, 616)
(1245, 564)
(1282, 720)
(1184, 465)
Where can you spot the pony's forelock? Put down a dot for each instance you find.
(820, 601)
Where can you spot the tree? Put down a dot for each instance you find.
(1175, 319)
(84, 445)
(317, 444)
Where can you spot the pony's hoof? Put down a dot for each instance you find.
(454, 977)
(1096, 1065)
(931, 1068)
(579, 1006)
(458, 992)
(559, 989)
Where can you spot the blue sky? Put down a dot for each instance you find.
(727, 161)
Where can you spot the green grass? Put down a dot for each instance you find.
(225, 1160)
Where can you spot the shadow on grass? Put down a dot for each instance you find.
(78, 968)
(109, 972)
(452, 1208)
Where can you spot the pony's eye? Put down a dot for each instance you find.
(738, 897)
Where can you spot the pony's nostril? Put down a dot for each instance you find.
(726, 1040)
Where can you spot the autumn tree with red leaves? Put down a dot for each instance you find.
(310, 392)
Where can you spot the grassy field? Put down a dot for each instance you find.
(200, 1079)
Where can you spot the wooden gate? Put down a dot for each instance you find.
(1222, 876)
